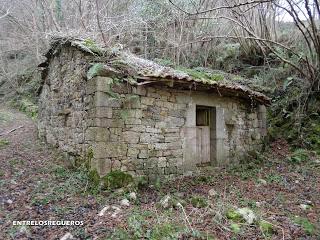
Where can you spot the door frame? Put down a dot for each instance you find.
(218, 152)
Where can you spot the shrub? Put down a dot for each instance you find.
(298, 156)
(94, 177)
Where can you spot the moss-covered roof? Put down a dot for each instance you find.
(117, 62)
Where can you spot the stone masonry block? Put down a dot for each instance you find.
(131, 137)
(151, 138)
(132, 121)
(105, 122)
(104, 100)
(103, 83)
(109, 149)
(103, 112)
(143, 154)
(162, 162)
(139, 90)
(147, 101)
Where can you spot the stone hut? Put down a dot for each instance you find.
(137, 116)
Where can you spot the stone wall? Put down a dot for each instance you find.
(63, 102)
(144, 130)
(139, 131)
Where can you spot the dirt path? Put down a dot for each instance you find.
(22, 158)
(33, 186)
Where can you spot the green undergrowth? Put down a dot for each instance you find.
(199, 201)
(307, 226)
(116, 179)
(143, 219)
(26, 105)
(92, 46)
(6, 116)
(287, 120)
(3, 143)
(64, 182)
(299, 156)
(113, 180)
(166, 227)
(246, 170)
(25, 95)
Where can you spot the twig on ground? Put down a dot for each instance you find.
(185, 215)
(10, 131)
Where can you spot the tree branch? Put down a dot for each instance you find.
(264, 41)
(5, 14)
(220, 7)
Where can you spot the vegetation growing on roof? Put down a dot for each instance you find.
(95, 70)
(202, 74)
(89, 43)
(117, 62)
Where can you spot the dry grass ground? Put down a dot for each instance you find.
(34, 185)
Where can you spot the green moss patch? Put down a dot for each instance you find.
(90, 44)
(3, 143)
(235, 227)
(95, 70)
(199, 202)
(203, 74)
(266, 227)
(234, 215)
(116, 179)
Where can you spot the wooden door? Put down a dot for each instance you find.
(203, 144)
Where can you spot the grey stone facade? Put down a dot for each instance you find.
(145, 130)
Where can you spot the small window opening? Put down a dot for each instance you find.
(202, 116)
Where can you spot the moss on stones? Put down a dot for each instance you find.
(116, 179)
(95, 70)
(204, 75)
(89, 43)
(113, 180)
(234, 215)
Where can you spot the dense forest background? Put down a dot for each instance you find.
(274, 44)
